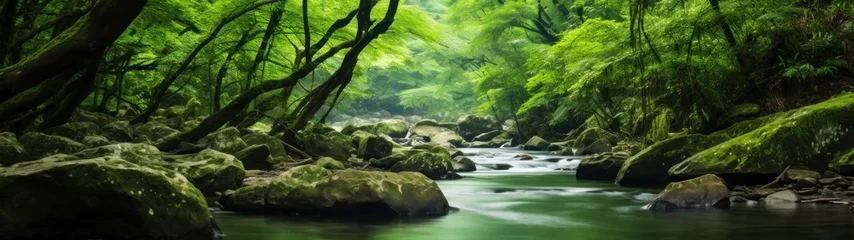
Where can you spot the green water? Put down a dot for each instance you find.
(555, 206)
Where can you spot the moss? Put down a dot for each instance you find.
(152, 131)
(809, 137)
(472, 125)
(75, 130)
(844, 164)
(192, 109)
(592, 135)
(226, 140)
(39, 145)
(120, 131)
(329, 163)
(650, 166)
(394, 128)
(11, 151)
(432, 165)
(536, 143)
(211, 171)
(277, 149)
(357, 136)
(374, 147)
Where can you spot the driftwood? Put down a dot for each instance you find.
(819, 200)
(776, 180)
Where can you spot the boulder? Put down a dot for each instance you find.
(702, 192)
(99, 198)
(602, 167)
(210, 171)
(137, 153)
(350, 129)
(650, 166)
(593, 135)
(536, 143)
(174, 123)
(844, 165)
(312, 189)
(487, 136)
(432, 165)
(39, 145)
(75, 130)
(277, 149)
(463, 164)
(808, 137)
(471, 126)
(120, 131)
(357, 137)
(226, 140)
(152, 131)
(387, 162)
(95, 141)
(393, 127)
(170, 112)
(256, 157)
(497, 166)
(99, 119)
(597, 147)
(329, 163)
(11, 151)
(374, 147)
(786, 196)
(802, 178)
(331, 144)
(436, 133)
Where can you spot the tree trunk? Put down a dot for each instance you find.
(7, 27)
(223, 70)
(81, 89)
(728, 34)
(275, 17)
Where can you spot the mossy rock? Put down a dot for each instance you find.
(394, 127)
(101, 198)
(39, 145)
(329, 163)
(350, 129)
(471, 126)
(374, 147)
(152, 131)
(120, 131)
(256, 157)
(170, 112)
(174, 123)
(95, 141)
(810, 137)
(11, 151)
(332, 144)
(436, 133)
(597, 147)
(387, 162)
(536, 143)
(702, 192)
(277, 149)
(593, 135)
(99, 119)
(226, 140)
(75, 130)
(844, 165)
(432, 165)
(313, 190)
(210, 171)
(137, 153)
(489, 136)
(602, 167)
(463, 164)
(650, 166)
(192, 109)
(357, 137)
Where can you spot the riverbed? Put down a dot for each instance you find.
(540, 199)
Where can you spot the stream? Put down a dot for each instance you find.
(535, 200)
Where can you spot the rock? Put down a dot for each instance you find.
(170, 112)
(329, 163)
(453, 152)
(487, 136)
(832, 181)
(226, 140)
(536, 143)
(650, 166)
(436, 134)
(809, 137)
(99, 199)
(174, 123)
(256, 157)
(210, 171)
(463, 164)
(555, 147)
(742, 112)
(759, 193)
(524, 157)
(802, 178)
(387, 162)
(497, 166)
(597, 147)
(432, 165)
(482, 145)
(75, 130)
(331, 144)
(350, 129)
(782, 196)
(95, 141)
(594, 135)
(11, 151)
(99, 119)
(311, 189)
(357, 136)
(702, 192)
(152, 131)
(120, 131)
(471, 126)
(137, 153)
(451, 176)
(192, 109)
(39, 145)
(277, 149)
(394, 128)
(603, 167)
(374, 147)
(567, 151)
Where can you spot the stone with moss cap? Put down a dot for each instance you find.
(256, 157)
(350, 129)
(11, 151)
(702, 192)
(226, 140)
(808, 137)
(312, 189)
(432, 165)
(536, 143)
(75, 130)
(39, 145)
(472, 125)
(601, 167)
(152, 131)
(330, 144)
(192, 109)
(650, 166)
(329, 163)
(844, 165)
(277, 149)
(374, 147)
(436, 133)
(594, 135)
(99, 119)
(99, 198)
(210, 171)
(120, 131)
(393, 127)
(357, 136)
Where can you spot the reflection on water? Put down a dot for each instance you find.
(548, 204)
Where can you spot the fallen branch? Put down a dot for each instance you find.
(292, 148)
(776, 180)
(821, 200)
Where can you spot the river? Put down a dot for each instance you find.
(533, 200)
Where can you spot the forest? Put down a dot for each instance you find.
(298, 119)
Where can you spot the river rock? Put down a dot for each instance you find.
(650, 166)
(39, 145)
(75, 130)
(170, 112)
(101, 198)
(810, 137)
(463, 164)
(602, 167)
(487, 136)
(120, 131)
(11, 151)
(256, 157)
(536, 143)
(95, 141)
(312, 189)
(387, 162)
(802, 178)
(226, 140)
(374, 147)
(432, 165)
(100, 119)
(350, 129)
(329, 163)
(152, 131)
(593, 135)
(782, 197)
(436, 133)
(210, 171)
(597, 147)
(702, 192)
(393, 127)
(497, 166)
(471, 126)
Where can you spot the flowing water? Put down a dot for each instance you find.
(534, 200)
